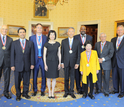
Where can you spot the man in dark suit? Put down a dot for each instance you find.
(82, 37)
(5, 47)
(22, 61)
(70, 51)
(105, 52)
(118, 62)
(39, 40)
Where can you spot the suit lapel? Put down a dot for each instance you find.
(7, 41)
(105, 46)
(73, 44)
(99, 47)
(26, 46)
(122, 43)
(19, 45)
(67, 41)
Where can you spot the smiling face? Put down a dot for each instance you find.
(52, 36)
(102, 37)
(88, 47)
(22, 33)
(39, 29)
(4, 30)
(83, 30)
(120, 31)
(70, 33)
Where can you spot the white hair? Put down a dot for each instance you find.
(120, 26)
(101, 34)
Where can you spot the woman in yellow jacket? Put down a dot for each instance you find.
(89, 67)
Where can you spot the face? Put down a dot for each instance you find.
(4, 30)
(22, 33)
(39, 29)
(88, 47)
(120, 31)
(70, 33)
(83, 30)
(52, 36)
(102, 37)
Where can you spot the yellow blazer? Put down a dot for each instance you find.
(93, 66)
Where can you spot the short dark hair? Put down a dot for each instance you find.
(38, 24)
(88, 42)
(51, 31)
(21, 28)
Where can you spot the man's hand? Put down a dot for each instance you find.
(76, 66)
(100, 60)
(62, 65)
(46, 67)
(59, 66)
(32, 67)
(13, 68)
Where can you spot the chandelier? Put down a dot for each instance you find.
(51, 4)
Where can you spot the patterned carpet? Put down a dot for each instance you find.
(59, 101)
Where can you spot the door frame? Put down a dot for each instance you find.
(93, 22)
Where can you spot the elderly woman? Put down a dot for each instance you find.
(52, 61)
(89, 67)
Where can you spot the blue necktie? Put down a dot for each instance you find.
(3, 39)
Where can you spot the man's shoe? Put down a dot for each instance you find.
(18, 98)
(106, 95)
(34, 94)
(79, 92)
(42, 93)
(84, 96)
(65, 95)
(91, 96)
(26, 96)
(120, 96)
(97, 92)
(72, 95)
(7, 96)
(113, 92)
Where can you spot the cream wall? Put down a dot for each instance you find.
(20, 12)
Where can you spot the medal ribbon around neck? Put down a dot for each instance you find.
(22, 45)
(118, 44)
(82, 40)
(38, 41)
(2, 40)
(101, 46)
(88, 60)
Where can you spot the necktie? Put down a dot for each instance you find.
(3, 38)
(102, 45)
(23, 42)
(119, 40)
(70, 42)
(39, 38)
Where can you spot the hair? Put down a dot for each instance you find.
(38, 24)
(51, 31)
(88, 42)
(70, 28)
(21, 29)
(120, 26)
(101, 34)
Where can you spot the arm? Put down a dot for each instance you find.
(97, 64)
(59, 56)
(12, 57)
(81, 67)
(44, 58)
(62, 55)
(32, 56)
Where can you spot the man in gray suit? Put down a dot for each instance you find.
(105, 52)
(5, 46)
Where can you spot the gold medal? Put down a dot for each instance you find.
(117, 47)
(23, 51)
(3, 47)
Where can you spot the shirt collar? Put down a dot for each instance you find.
(37, 35)
(22, 39)
(2, 36)
(70, 38)
(121, 37)
(103, 43)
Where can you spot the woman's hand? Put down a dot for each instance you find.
(97, 71)
(59, 66)
(46, 67)
(81, 73)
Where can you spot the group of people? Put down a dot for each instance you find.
(75, 55)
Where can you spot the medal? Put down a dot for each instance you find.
(39, 47)
(102, 46)
(70, 51)
(3, 43)
(88, 65)
(88, 58)
(118, 44)
(3, 47)
(83, 46)
(23, 51)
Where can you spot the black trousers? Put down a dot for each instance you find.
(89, 78)
(6, 74)
(26, 80)
(69, 71)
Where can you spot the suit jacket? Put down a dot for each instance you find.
(88, 38)
(73, 58)
(5, 54)
(107, 53)
(93, 66)
(22, 61)
(118, 57)
(33, 39)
